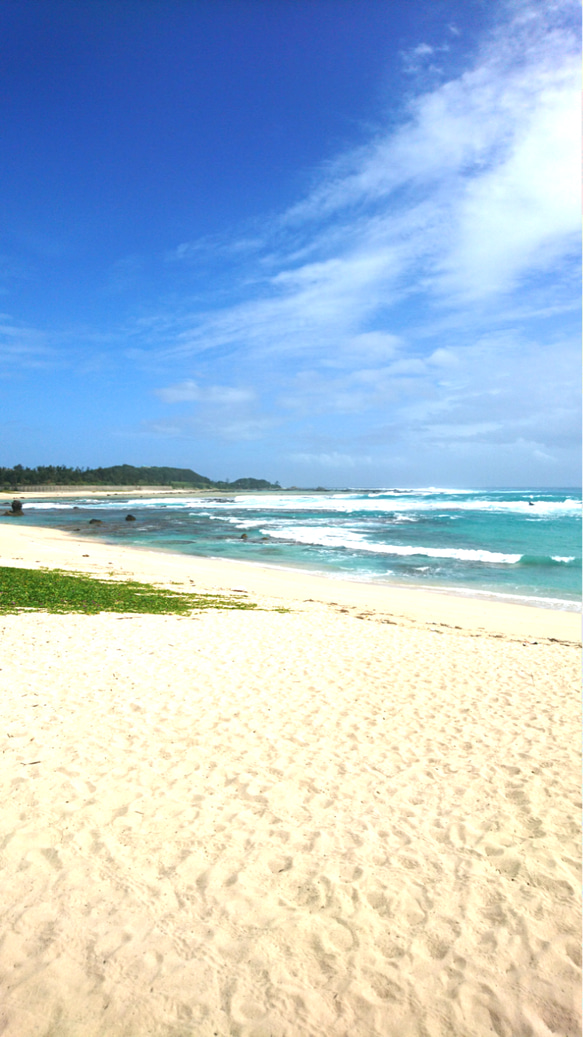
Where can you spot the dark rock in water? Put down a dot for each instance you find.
(16, 509)
(95, 522)
(244, 536)
(130, 518)
(76, 507)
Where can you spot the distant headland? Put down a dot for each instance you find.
(49, 476)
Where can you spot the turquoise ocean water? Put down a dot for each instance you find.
(522, 544)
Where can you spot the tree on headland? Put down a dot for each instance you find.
(20, 477)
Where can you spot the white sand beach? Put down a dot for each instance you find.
(356, 818)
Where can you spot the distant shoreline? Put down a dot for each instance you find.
(152, 491)
(96, 490)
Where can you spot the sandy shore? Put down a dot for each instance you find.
(357, 818)
(99, 492)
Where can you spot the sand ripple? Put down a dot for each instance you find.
(270, 825)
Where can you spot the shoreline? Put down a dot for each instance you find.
(62, 549)
(572, 606)
(356, 814)
(155, 491)
(401, 591)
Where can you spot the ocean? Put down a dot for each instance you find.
(518, 545)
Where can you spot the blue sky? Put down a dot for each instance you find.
(329, 242)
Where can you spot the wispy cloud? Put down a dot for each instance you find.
(475, 192)
(403, 287)
(332, 460)
(421, 58)
(229, 428)
(220, 412)
(23, 346)
(189, 391)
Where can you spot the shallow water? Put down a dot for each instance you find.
(524, 543)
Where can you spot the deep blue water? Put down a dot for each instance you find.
(508, 542)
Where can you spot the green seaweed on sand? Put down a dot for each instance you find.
(53, 590)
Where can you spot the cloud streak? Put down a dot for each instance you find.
(22, 346)
(454, 205)
(413, 284)
(189, 392)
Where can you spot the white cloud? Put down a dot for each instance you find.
(372, 345)
(420, 58)
(243, 429)
(524, 212)
(331, 460)
(190, 392)
(206, 426)
(24, 346)
(495, 151)
(475, 192)
(443, 358)
(223, 412)
(376, 301)
(502, 389)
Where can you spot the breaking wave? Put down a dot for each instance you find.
(357, 542)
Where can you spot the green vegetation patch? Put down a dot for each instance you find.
(121, 475)
(53, 590)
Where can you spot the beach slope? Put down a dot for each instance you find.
(358, 817)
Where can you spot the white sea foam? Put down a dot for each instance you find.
(330, 537)
(402, 504)
(534, 600)
(465, 554)
(560, 558)
(46, 506)
(399, 505)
